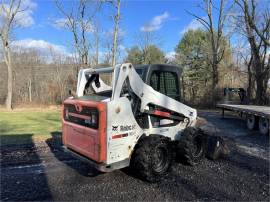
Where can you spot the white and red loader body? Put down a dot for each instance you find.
(104, 130)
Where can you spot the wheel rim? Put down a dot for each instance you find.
(263, 125)
(197, 146)
(250, 122)
(161, 160)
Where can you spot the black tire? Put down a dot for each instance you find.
(152, 158)
(191, 148)
(252, 122)
(264, 126)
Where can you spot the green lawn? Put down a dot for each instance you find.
(21, 127)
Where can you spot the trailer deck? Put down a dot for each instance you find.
(256, 116)
(262, 111)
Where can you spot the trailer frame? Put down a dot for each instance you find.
(259, 113)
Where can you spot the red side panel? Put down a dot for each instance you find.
(87, 141)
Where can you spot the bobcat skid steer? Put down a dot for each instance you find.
(139, 121)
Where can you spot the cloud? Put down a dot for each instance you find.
(121, 33)
(122, 47)
(193, 25)
(44, 47)
(24, 18)
(62, 23)
(170, 56)
(155, 23)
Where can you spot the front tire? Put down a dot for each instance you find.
(191, 148)
(152, 157)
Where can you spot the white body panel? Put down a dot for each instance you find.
(119, 123)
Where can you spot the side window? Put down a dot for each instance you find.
(165, 83)
(154, 81)
(172, 86)
(162, 80)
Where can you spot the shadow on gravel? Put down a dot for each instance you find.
(249, 163)
(15, 140)
(202, 193)
(236, 178)
(18, 161)
(55, 145)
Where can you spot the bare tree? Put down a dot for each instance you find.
(145, 41)
(248, 59)
(8, 13)
(250, 87)
(255, 25)
(79, 21)
(243, 62)
(216, 36)
(96, 46)
(116, 19)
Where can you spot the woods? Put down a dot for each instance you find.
(229, 49)
(256, 27)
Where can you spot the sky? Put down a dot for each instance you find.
(169, 19)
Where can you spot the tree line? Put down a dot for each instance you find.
(209, 61)
(206, 55)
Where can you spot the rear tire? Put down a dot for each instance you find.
(152, 157)
(264, 126)
(252, 122)
(192, 146)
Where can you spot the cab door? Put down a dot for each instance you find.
(165, 82)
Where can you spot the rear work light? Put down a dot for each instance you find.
(92, 119)
(86, 116)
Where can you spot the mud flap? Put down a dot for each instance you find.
(216, 148)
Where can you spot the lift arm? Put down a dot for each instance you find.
(146, 93)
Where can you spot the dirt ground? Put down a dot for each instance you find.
(42, 171)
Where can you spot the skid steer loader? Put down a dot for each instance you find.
(138, 121)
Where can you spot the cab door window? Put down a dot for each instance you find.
(165, 83)
(172, 86)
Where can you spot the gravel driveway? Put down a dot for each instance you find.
(41, 171)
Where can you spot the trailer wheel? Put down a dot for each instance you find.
(152, 158)
(192, 146)
(264, 126)
(252, 122)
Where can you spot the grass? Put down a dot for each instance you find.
(28, 125)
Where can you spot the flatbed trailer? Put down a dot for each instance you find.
(257, 117)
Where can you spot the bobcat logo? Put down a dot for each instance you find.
(114, 128)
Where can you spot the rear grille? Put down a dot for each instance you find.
(85, 116)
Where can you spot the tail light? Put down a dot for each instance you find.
(87, 116)
(66, 115)
(94, 119)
